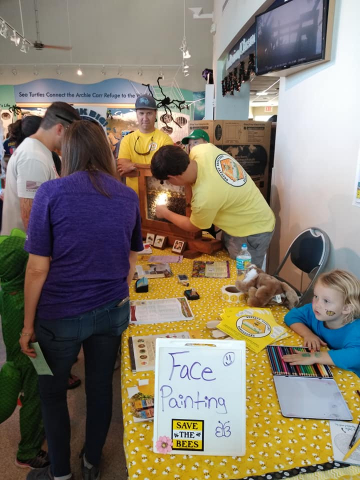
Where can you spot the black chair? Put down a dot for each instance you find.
(309, 252)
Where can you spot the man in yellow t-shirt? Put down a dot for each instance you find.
(222, 193)
(138, 147)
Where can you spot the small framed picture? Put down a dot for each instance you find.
(179, 246)
(160, 241)
(150, 237)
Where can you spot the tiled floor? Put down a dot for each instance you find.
(113, 464)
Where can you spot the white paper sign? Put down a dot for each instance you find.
(200, 397)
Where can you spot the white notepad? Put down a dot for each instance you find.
(318, 398)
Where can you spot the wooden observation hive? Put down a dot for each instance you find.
(177, 199)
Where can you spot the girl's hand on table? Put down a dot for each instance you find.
(313, 342)
(303, 358)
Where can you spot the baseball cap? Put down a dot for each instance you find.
(196, 134)
(147, 102)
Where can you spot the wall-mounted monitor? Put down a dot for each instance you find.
(292, 34)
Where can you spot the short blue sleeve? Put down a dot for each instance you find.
(39, 233)
(347, 358)
(300, 315)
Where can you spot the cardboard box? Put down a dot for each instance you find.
(206, 125)
(247, 141)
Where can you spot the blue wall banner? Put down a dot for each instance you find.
(112, 90)
(242, 48)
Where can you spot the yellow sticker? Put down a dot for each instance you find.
(188, 434)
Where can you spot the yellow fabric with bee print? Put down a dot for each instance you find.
(273, 442)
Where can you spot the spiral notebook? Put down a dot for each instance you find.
(306, 391)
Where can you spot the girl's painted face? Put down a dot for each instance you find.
(328, 304)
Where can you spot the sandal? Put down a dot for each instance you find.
(73, 381)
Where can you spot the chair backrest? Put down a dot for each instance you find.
(309, 252)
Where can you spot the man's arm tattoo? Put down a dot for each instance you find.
(25, 210)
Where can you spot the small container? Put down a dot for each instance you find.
(183, 279)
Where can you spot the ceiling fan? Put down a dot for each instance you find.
(38, 44)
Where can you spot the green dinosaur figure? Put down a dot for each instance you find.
(17, 375)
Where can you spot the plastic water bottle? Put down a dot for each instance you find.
(243, 260)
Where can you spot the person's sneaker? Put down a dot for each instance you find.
(92, 473)
(40, 474)
(39, 461)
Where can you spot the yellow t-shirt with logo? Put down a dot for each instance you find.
(225, 195)
(145, 142)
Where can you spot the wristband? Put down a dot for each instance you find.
(24, 334)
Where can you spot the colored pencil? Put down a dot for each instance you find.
(277, 368)
(318, 370)
(279, 360)
(284, 364)
(298, 367)
(352, 449)
(272, 363)
(292, 367)
(280, 367)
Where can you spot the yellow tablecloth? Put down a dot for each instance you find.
(273, 442)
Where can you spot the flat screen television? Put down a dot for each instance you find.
(291, 34)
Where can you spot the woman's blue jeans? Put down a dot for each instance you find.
(99, 333)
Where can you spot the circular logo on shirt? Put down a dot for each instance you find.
(230, 170)
(153, 146)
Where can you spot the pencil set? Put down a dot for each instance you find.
(280, 367)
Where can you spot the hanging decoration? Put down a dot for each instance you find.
(15, 110)
(165, 104)
(233, 81)
(184, 49)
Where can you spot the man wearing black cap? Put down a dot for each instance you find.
(139, 147)
(32, 164)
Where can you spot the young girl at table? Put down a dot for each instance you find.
(332, 320)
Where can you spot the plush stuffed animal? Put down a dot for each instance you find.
(262, 288)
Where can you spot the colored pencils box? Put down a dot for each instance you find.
(280, 367)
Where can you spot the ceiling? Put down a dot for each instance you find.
(268, 85)
(115, 37)
(132, 34)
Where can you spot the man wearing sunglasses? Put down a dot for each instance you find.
(138, 147)
(32, 164)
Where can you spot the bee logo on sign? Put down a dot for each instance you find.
(188, 434)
